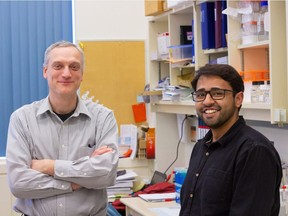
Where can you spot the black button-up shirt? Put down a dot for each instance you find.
(238, 175)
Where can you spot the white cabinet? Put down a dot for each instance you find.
(167, 131)
(169, 21)
(271, 54)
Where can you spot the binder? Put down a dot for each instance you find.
(224, 24)
(218, 23)
(192, 41)
(185, 35)
(207, 25)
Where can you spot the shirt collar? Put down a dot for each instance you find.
(232, 132)
(81, 108)
(225, 139)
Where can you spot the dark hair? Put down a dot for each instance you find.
(226, 72)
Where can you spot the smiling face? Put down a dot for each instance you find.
(63, 72)
(221, 114)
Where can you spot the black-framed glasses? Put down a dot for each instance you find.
(216, 94)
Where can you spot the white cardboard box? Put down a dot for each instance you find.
(163, 43)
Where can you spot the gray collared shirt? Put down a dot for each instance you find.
(36, 132)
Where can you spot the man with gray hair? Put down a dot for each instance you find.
(62, 150)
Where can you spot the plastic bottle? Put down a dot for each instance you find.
(262, 20)
(260, 92)
(249, 21)
(266, 92)
(254, 92)
(180, 174)
(256, 96)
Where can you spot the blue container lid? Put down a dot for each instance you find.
(264, 4)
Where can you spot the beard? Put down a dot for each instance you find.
(222, 117)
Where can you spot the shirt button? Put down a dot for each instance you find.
(61, 173)
(191, 195)
(63, 186)
(39, 185)
(60, 205)
(197, 174)
(85, 174)
(207, 153)
(63, 146)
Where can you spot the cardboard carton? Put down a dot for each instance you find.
(154, 7)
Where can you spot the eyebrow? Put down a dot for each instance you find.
(55, 62)
(70, 63)
(214, 88)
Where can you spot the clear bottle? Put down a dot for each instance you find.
(249, 19)
(262, 20)
(254, 92)
(265, 91)
(256, 95)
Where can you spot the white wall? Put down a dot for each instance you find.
(110, 20)
(274, 133)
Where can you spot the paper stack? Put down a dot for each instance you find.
(123, 185)
(128, 136)
(158, 197)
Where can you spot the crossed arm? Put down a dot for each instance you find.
(46, 166)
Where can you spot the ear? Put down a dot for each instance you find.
(239, 99)
(45, 72)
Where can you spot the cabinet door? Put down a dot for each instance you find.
(278, 61)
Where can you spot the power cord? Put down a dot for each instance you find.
(181, 136)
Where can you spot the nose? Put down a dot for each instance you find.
(66, 72)
(208, 99)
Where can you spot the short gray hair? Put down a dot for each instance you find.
(62, 44)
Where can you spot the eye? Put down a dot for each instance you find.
(200, 94)
(75, 67)
(217, 93)
(57, 66)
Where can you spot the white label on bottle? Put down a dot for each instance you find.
(266, 22)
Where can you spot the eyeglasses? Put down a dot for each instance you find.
(216, 94)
